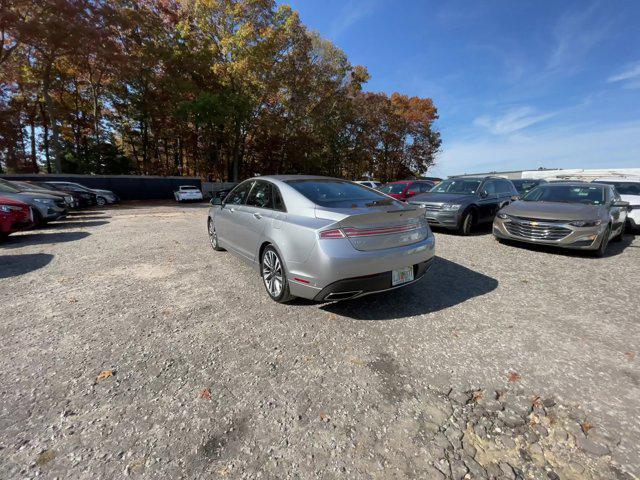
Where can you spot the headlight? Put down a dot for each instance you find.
(46, 201)
(9, 208)
(503, 216)
(586, 223)
(450, 206)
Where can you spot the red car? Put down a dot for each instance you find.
(405, 189)
(14, 215)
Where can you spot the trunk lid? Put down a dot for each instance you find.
(378, 227)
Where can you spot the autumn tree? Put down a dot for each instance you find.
(221, 89)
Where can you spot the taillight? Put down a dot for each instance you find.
(366, 232)
(336, 233)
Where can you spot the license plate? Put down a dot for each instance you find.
(402, 275)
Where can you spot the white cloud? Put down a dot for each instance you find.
(576, 33)
(629, 77)
(512, 121)
(351, 13)
(582, 146)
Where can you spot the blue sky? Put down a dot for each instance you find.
(518, 84)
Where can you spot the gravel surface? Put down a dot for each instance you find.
(131, 348)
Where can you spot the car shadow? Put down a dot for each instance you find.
(74, 224)
(14, 265)
(28, 238)
(613, 249)
(84, 217)
(478, 230)
(447, 284)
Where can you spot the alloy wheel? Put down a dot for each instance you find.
(213, 236)
(272, 273)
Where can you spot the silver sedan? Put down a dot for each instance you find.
(322, 238)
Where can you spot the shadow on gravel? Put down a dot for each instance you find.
(93, 216)
(74, 224)
(478, 230)
(27, 239)
(447, 284)
(14, 265)
(614, 248)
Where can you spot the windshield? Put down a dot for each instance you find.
(7, 187)
(523, 186)
(338, 193)
(396, 188)
(466, 187)
(591, 195)
(625, 188)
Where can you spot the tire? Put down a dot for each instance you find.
(602, 249)
(101, 201)
(467, 223)
(274, 276)
(38, 219)
(618, 238)
(213, 238)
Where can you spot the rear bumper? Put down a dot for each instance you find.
(359, 286)
(581, 238)
(337, 263)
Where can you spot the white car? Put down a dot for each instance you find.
(629, 189)
(187, 193)
(369, 183)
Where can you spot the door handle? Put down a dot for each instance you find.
(257, 215)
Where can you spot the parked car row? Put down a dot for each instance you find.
(27, 204)
(329, 239)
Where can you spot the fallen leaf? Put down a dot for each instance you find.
(45, 457)
(356, 361)
(477, 395)
(536, 402)
(455, 334)
(105, 374)
(630, 356)
(206, 393)
(586, 426)
(73, 300)
(513, 377)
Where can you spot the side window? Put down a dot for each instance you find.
(505, 188)
(424, 187)
(615, 196)
(261, 196)
(278, 203)
(490, 188)
(238, 195)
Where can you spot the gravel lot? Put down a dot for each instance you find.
(504, 362)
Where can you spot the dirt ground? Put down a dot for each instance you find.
(130, 348)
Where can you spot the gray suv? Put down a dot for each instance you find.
(462, 203)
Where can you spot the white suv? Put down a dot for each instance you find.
(629, 189)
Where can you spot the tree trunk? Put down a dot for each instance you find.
(55, 134)
(32, 135)
(45, 136)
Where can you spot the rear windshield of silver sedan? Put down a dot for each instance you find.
(566, 194)
(337, 193)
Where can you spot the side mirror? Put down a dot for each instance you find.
(411, 193)
(216, 201)
(515, 198)
(484, 194)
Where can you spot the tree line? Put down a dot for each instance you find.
(220, 89)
